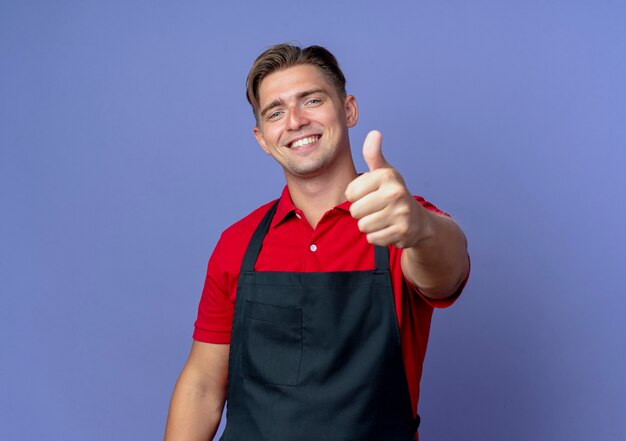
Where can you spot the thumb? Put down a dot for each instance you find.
(372, 151)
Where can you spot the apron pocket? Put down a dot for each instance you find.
(272, 343)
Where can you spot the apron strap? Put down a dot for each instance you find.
(254, 247)
(381, 258)
(381, 254)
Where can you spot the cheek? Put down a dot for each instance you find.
(272, 135)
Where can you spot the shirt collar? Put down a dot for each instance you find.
(286, 208)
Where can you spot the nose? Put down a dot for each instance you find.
(296, 119)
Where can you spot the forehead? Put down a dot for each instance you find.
(288, 83)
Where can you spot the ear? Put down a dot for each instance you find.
(352, 110)
(258, 134)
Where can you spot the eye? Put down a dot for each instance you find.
(274, 115)
(314, 102)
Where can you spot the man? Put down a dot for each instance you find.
(328, 291)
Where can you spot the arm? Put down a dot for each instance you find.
(437, 264)
(199, 394)
(434, 257)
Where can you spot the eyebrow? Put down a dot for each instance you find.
(277, 102)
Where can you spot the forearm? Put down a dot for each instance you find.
(438, 263)
(199, 395)
(195, 412)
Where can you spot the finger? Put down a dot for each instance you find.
(384, 237)
(374, 222)
(368, 204)
(372, 151)
(361, 186)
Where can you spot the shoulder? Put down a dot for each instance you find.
(242, 230)
(234, 240)
(225, 261)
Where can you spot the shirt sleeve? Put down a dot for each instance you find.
(216, 308)
(447, 301)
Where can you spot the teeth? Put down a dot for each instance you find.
(305, 141)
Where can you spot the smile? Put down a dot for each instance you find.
(304, 141)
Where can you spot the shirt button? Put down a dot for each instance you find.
(298, 216)
(313, 248)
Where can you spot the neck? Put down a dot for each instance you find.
(318, 194)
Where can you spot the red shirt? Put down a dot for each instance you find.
(291, 244)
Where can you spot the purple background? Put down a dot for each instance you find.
(126, 147)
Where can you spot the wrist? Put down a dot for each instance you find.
(424, 225)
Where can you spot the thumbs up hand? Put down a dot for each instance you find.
(387, 212)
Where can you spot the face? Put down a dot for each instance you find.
(303, 123)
